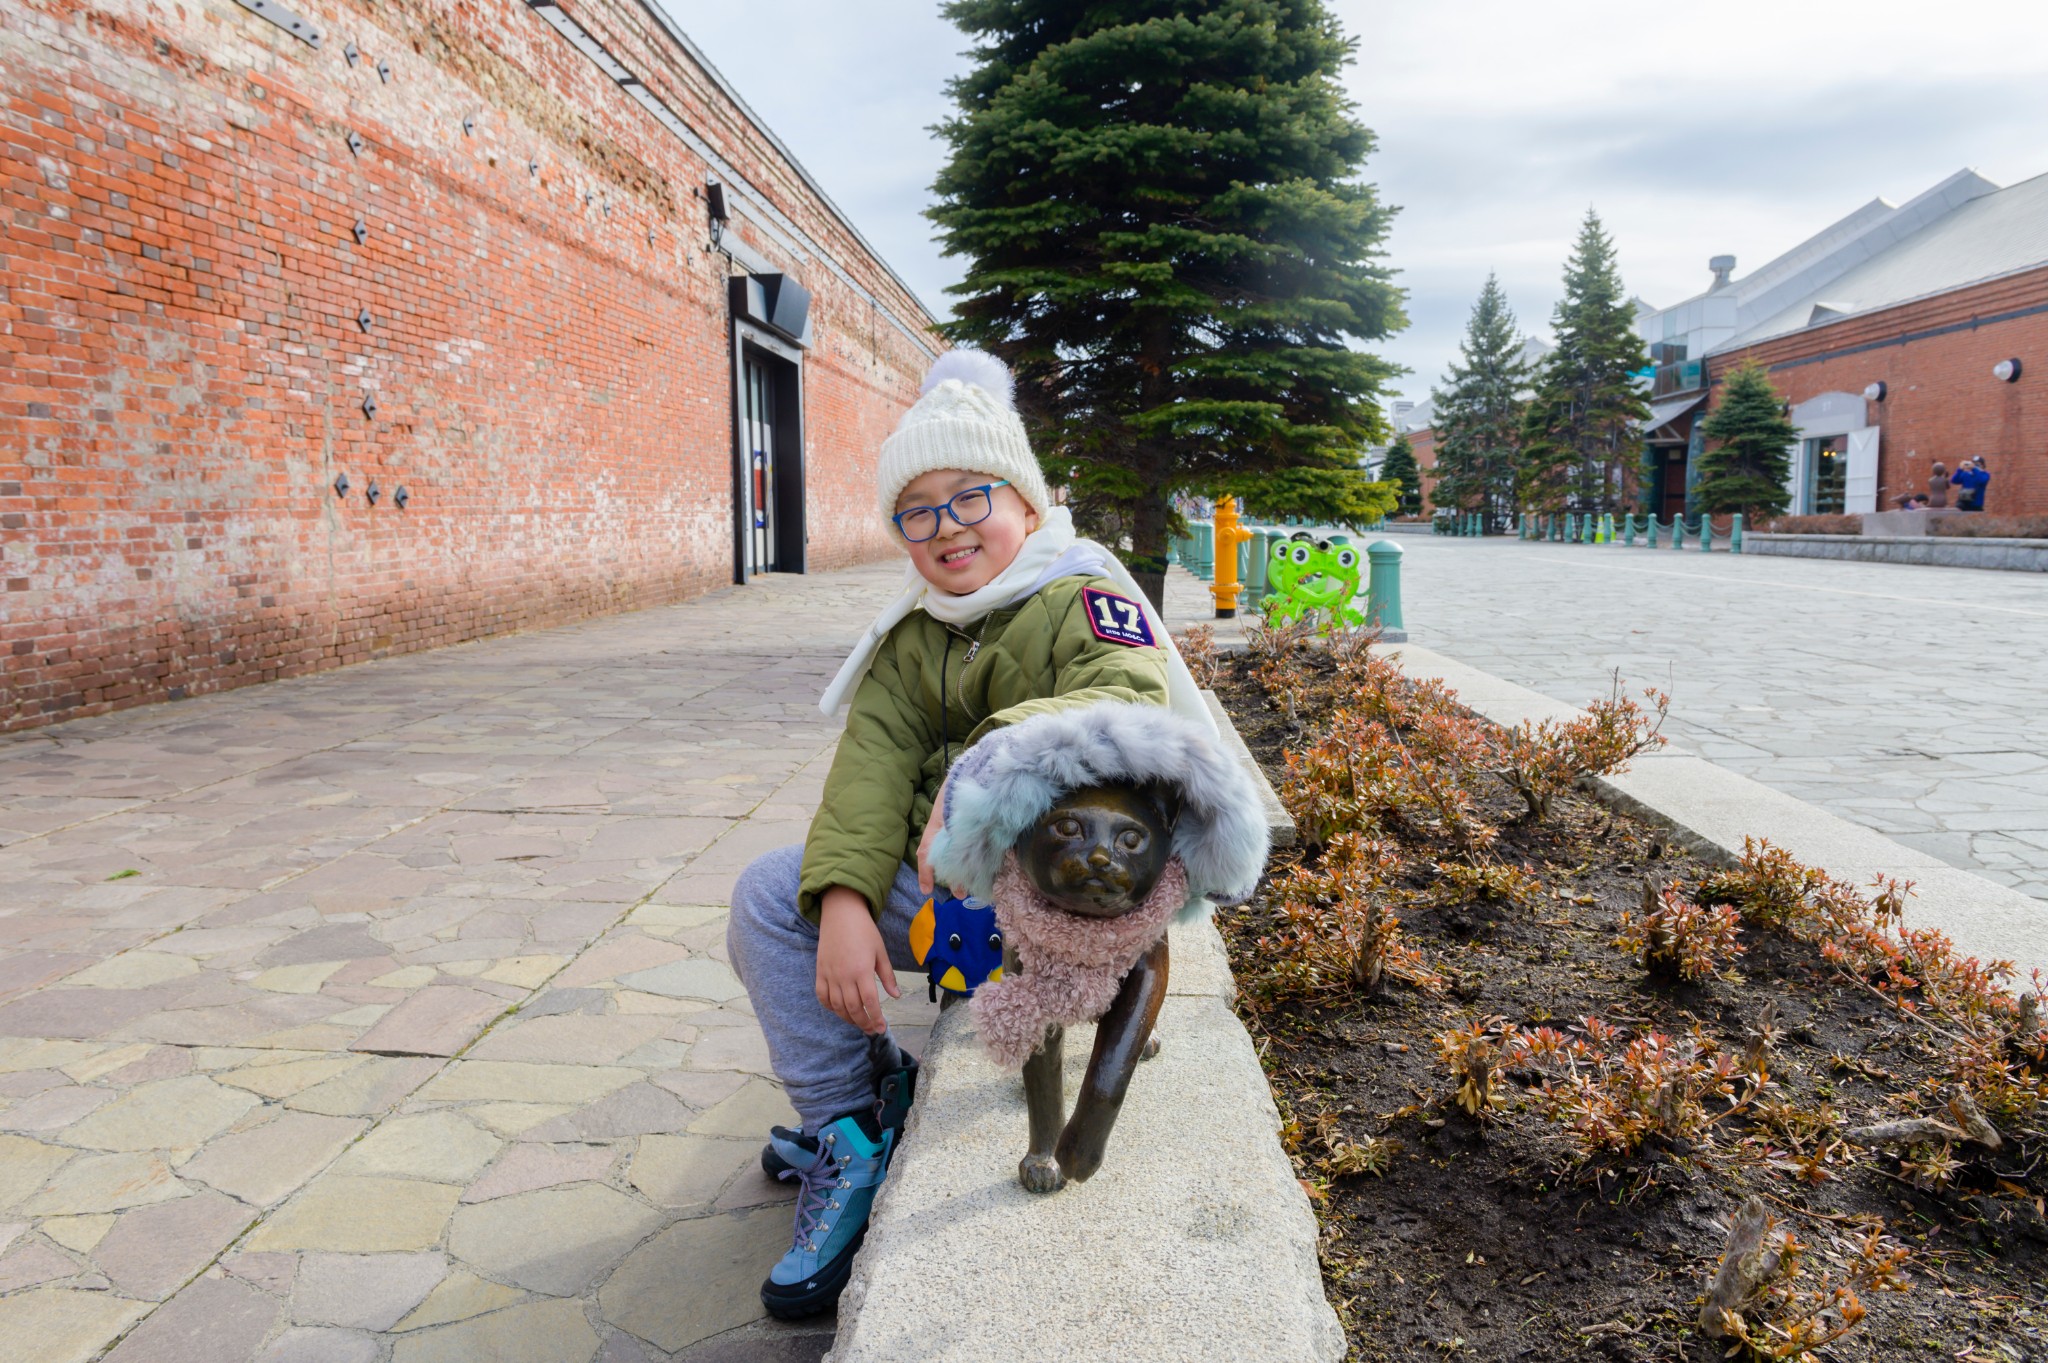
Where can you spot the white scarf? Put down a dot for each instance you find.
(1050, 552)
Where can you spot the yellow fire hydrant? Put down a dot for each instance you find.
(1229, 534)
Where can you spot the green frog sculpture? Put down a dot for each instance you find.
(1308, 578)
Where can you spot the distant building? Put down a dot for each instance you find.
(1886, 331)
(1418, 424)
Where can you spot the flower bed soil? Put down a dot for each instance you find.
(1484, 1239)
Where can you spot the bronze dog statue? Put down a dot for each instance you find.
(1091, 829)
(1098, 853)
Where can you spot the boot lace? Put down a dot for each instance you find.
(814, 1199)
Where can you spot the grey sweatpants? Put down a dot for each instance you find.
(821, 1059)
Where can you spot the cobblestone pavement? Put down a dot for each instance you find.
(384, 1014)
(1912, 700)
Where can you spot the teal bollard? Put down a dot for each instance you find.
(1205, 550)
(1628, 530)
(1678, 531)
(1254, 577)
(1556, 528)
(1706, 533)
(1383, 588)
(1651, 539)
(1607, 528)
(1735, 533)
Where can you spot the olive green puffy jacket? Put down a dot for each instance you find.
(899, 740)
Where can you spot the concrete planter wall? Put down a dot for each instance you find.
(1940, 551)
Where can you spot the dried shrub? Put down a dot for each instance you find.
(1770, 887)
(1815, 525)
(1341, 785)
(1977, 525)
(1496, 881)
(1198, 650)
(1542, 761)
(1758, 1303)
(1341, 1156)
(1612, 1101)
(1471, 1053)
(1281, 664)
(1393, 761)
(1347, 1158)
(1680, 940)
(1338, 932)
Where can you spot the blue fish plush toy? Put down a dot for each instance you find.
(956, 941)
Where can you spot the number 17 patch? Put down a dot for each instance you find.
(1117, 619)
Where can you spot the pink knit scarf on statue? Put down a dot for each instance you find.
(1072, 966)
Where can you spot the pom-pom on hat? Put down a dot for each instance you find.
(965, 418)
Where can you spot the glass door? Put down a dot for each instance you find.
(757, 486)
(1827, 475)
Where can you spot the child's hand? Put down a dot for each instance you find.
(926, 877)
(851, 957)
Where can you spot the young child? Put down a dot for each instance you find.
(1004, 614)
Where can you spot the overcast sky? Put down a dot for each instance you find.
(1741, 126)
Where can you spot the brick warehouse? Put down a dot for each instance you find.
(1889, 333)
(467, 319)
(1941, 399)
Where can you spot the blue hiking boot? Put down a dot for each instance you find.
(837, 1169)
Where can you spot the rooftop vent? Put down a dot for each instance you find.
(1722, 266)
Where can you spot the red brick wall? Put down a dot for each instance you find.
(1423, 442)
(1941, 401)
(181, 369)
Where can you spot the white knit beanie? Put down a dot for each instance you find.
(964, 418)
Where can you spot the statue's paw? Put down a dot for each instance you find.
(1151, 1047)
(1040, 1174)
(1077, 1164)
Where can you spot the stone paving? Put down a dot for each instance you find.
(1911, 700)
(384, 1014)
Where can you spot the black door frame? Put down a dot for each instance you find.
(787, 364)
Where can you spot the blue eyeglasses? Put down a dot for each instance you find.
(968, 506)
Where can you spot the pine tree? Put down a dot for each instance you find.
(1582, 437)
(1167, 238)
(1398, 468)
(1747, 469)
(1479, 413)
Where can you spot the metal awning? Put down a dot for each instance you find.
(1664, 413)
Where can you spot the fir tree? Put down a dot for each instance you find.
(1167, 239)
(1479, 413)
(1398, 468)
(1747, 469)
(1582, 437)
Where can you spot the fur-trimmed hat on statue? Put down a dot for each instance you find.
(965, 418)
(1006, 782)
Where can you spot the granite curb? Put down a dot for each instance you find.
(1929, 551)
(1195, 1242)
(1712, 809)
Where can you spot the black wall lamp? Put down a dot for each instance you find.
(2006, 371)
(1875, 392)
